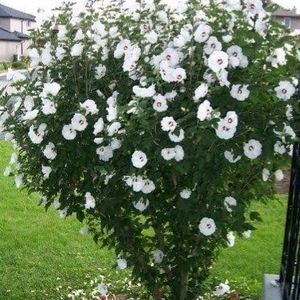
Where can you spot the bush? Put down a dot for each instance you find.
(2, 68)
(19, 65)
(25, 60)
(157, 124)
(5, 65)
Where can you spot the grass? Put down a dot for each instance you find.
(245, 263)
(38, 248)
(39, 251)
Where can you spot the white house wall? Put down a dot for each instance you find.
(26, 45)
(15, 25)
(8, 49)
(20, 25)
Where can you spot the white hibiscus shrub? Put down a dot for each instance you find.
(157, 123)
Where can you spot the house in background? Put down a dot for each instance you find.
(14, 29)
(290, 18)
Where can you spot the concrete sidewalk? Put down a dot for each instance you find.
(3, 75)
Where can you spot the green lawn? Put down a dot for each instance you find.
(40, 252)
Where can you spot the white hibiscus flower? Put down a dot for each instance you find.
(285, 90)
(151, 37)
(279, 175)
(100, 71)
(200, 92)
(60, 53)
(176, 138)
(202, 33)
(253, 6)
(141, 205)
(68, 132)
(178, 75)
(229, 155)
(230, 239)
(234, 4)
(158, 256)
(218, 61)
(49, 151)
(105, 153)
(48, 107)
(172, 57)
(77, 50)
(168, 124)
(137, 183)
(139, 159)
(50, 89)
(185, 193)
(247, 234)
(79, 122)
(28, 103)
(148, 186)
(30, 115)
(90, 201)
(168, 153)
(160, 103)
(207, 226)
(37, 137)
(122, 263)
(279, 147)
(265, 174)
(204, 111)
(46, 171)
(90, 107)
(277, 57)
(122, 47)
(211, 45)
(113, 128)
(235, 54)
(253, 149)
(98, 126)
(179, 153)
(239, 92)
(222, 289)
(144, 92)
(224, 131)
(19, 180)
(63, 213)
(231, 119)
(229, 202)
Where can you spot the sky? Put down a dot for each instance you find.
(31, 6)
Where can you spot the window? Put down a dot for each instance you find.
(287, 22)
(28, 24)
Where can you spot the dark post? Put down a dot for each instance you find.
(290, 272)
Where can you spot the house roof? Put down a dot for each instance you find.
(8, 12)
(21, 35)
(286, 13)
(5, 35)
